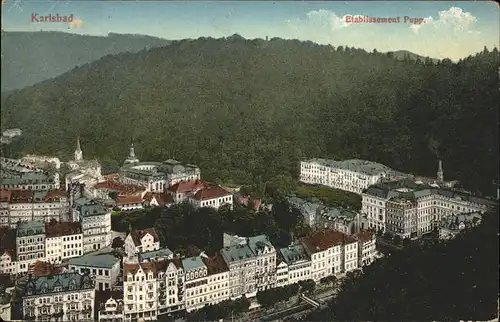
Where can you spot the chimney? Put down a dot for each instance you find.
(440, 174)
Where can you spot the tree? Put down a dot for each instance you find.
(113, 194)
(117, 243)
(307, 286)
(397, 239)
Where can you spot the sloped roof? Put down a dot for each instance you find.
(137, 235)
(324, 239)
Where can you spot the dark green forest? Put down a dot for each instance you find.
(447, 281)
(188, 230)
(248, 110)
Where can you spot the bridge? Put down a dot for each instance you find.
(309, 301)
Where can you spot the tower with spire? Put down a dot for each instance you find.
(78, 151)
(440, 174)
(131, 159)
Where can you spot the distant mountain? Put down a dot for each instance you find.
(32, 57)
(402, 54)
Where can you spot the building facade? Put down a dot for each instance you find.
(62, 297)
(30, 244)
(415, 205)
(96, 223)
(349, 175)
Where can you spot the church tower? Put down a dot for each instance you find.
(440, 174)
(131, 155)
(78, 151)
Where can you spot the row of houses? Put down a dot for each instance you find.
(153, 281)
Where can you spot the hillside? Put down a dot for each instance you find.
(248, 110)
(457, 280)
(31, 57)
(405, 54)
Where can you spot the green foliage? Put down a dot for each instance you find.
(272, 296)
(331, 279)
(307, 286)
(222, 310)
(454, 280)
(248, 110)
(182, 226)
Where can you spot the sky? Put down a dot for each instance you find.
(447, 30)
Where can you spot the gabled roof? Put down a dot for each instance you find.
(211, 192)
(137, 235)
(187, 186)
(364, 236)
(56, 229)
(215, 264)
(42, 268)
(128, 200)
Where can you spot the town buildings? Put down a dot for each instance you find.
(12, 133)
(90, 168)
(410, 209)
(200, 194)
(449, 227)
(41, 161)
(294, 266)
(156, 176)
(141, 241)
(15, 174)
(63, 240)
(241, 262)
(109, 305)
(102, 265)
(96, 223)
(349, 175)
(66, 296)
(367, 247)
(30, 205)
(331, 252)
(30, 244)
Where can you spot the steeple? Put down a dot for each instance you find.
(78, 151)
(440, 174)
(131, 155)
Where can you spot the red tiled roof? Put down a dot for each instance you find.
(163, 198)
(119, 187)
(127, 200)
(215, 264)
(211, 192)
(325, 239)
(5, 195)
(154, 266)
(54, 194)
(139, 233)
(187, 186)
(42, 268)
(147, 196)
(56, 229)
(364, 236)
(133, 268)
(21, 196)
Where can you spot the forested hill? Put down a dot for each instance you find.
(247, 110)
(31, 57)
